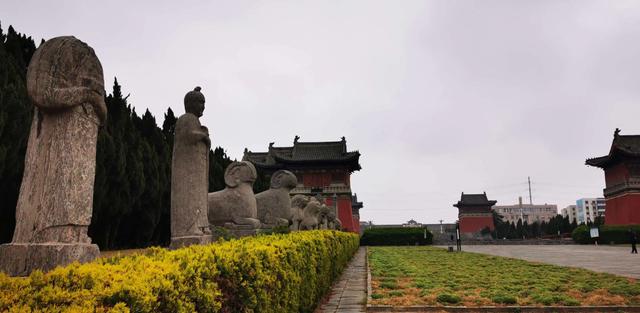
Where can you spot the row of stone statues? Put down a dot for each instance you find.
(194, 212)
(238, 210)
(66, 86)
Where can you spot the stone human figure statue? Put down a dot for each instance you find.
(190, 175)
(274, 205)
(235, 207)
(66, 85)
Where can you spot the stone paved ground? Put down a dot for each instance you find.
(610, 259)
(349, 293)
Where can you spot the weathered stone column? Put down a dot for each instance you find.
(190, 175)
(66, 86)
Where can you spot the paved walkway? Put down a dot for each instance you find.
(609, 259)
(349, 293)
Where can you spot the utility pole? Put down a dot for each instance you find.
(530, 199)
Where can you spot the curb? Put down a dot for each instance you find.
(510, 309)
(369, 291)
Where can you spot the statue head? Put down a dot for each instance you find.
(66, 63)
(324, 210)
(283, 179)
(238, 173)
(313, 206)
(299, 201)
(194, 102)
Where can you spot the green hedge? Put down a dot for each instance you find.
(398, 236)
(608, 234)
(274, 273)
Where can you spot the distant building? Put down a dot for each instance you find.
(323, 169)
(529, 213)
(433, 228)
(474, 212)
(622, 179)
(412, 223)
(570, 212)
(588, 208)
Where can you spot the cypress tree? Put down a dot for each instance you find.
(16, 112)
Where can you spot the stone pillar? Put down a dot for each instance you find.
(66, 86)
(190, 176)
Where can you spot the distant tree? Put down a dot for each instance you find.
(16, 113)
(218, 162)
(501, 227)
(520, 230)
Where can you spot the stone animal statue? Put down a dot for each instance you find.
(323, 222)
(190, 174)
(298, 203)
(333, 221)
(236, 204)
(311, 215)
(274, 205)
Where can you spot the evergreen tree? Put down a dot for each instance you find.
(218, 162)
(16, 112)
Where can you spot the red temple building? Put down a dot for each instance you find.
(474, 212)
(622, 180)
(323, 169)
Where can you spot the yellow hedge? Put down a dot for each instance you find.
(274, 273)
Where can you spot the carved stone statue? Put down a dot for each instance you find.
(311, 215)
(333, 221)
(190, 175)
(298, 203)
(235, 207)
(323, 222)
(274, 205)
(65, 83)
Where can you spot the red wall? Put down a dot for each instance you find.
(356, 223)
(623, 210)
(616, 174)
(473, 224)
(316, 179)
(325, 179)
(345, 214)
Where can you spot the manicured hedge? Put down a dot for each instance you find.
(274, 273)
(608, 234)
(398, 236)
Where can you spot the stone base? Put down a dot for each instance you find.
(20, 259)
(179, 242)
(238, 231)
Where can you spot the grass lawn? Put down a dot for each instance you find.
(432, 276)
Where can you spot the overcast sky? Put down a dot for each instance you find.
(439, 97)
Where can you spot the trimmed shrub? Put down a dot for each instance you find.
(448, 298)
(274, 273)
(399, 236)
(608, 234)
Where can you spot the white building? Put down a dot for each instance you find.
(588, 208)
(570, 212)
(529, 213)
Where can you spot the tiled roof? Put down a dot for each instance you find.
(301, 152)
(628, 145)
(474, 199)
